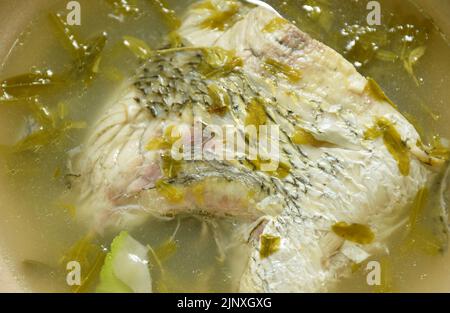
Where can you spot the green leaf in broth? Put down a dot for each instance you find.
(30, 84)
(219, 62)
(91, 257)
(166, 250)
(87, 64)
(139, 47)
(68, 38)
(168, 16)
(413, 57)
(86, 55)
(124, 7)
(375, 91)
(51, 126)
(38, 267)
(222, 19)
(420, 237)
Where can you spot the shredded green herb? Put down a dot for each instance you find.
(220, 100)
(169, 16)
(377, 93)
(393, 142)
(218, 62)
(303, 137)
(139, 47)
(275, 24)
(124, 7)
(171, 193)
(276, 68)
(91, 257)
(30, 84)
(222, 19)
(358, 233)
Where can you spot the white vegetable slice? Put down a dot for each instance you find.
(126, 267)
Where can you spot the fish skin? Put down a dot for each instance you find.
(352, 179)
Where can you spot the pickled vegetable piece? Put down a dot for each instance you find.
(67, 37)
(275, 24)
(256, 114)
(90, 256)
(222, 19)
(171, 193)
(393, 142)
(169, 16)
(269, 245)
(30, 84)
(303, 137)
(220, 100)
(358, 233)
(164, 142)
(219, 62)
(137, 46)
(377, 93)
(170, 166)
(275, 68)
(166, 250)
(125, 7)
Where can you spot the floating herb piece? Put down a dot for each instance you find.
(171, 193)
(137, 46)
(166, 250)
(218, 62)
(220, 100)
(282, 171)
(30, 84)
(87, 65)
(222, 19)
(48, 133)
(86, 55)
(437, 150)
(420, 236)
(275, 68)
(386, 56)
(124, 7)
(375, 91)
(303, 137)
(256, 113)
(393, 142)
(275, 24)
(170, 166)
(90, 256)
(165, 141)
(169, 16)
(68, 38)
(358, 233)
(269, 245)
(413, 57)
